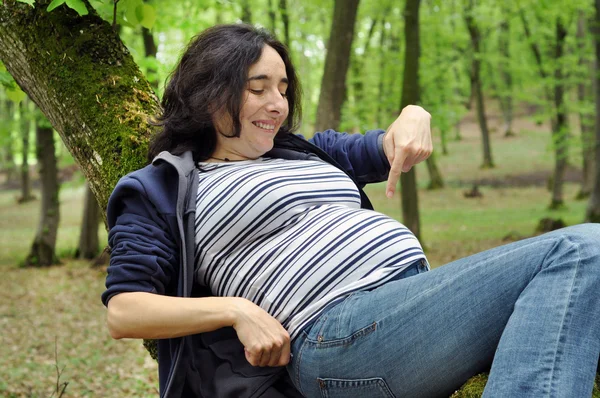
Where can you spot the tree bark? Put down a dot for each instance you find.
(337, 60)
(82, 77)
(272, 17)
(593, 208)
(43, 249)
(586, 119)
(283, 8)
(435, 176)
(246, 12)
(10, 167)
(411, 95)
(150, 51)
(25, 124)
(560, 134)
(89, 243)
(475, 35)
(505, 96)
(382, 63)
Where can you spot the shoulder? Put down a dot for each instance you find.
(155, 185)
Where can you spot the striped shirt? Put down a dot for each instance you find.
(290, 236)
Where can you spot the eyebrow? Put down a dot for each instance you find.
(265, 77)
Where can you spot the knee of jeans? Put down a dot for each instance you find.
(587, 237)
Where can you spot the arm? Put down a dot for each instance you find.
(362, 156)
(370, 157)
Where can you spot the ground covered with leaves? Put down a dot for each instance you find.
(53, 323)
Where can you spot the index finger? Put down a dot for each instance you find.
(395, 171)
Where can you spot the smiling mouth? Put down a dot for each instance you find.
(265, 126)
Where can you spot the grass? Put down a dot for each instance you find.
(43, 311)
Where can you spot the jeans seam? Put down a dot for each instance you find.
(563, 326)
(297, 365)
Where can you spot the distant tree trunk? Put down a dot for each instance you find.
(283, 8)
(88, 235)
(593, 208)
(42, 252)
(150, 51)
(382, 64)
(337, 60)
(475, 35)
(272, 17)
(560, 133)
(10, 167)
(246, 12)
(435, 176)
(505, 96)
(586, 119)
(357, 63)
(411, 95)
(25, 123)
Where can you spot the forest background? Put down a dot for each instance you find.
(511, 86)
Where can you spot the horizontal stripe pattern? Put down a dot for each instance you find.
(290, 236)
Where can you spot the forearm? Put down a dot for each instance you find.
(152, 316)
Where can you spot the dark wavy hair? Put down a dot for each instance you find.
(212, 75)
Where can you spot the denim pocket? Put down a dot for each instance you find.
(346, 388)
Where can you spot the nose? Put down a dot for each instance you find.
(277, 103)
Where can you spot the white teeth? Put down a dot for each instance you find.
(264, 126)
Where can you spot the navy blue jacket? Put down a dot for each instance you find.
(151, 215)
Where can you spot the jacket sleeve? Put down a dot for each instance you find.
(360, 155)
(144, 255)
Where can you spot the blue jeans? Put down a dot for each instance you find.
(530, 310)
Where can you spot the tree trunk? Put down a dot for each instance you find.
(411, 95)
(337, 60)
(586, 119)
(593, 208)
(10, 167)
(150, 51)
(357, 63)
(88, 236)
(505, 96)
(560, 135)
(25, 124)
(246, 12)
(90, 89)
(435, 176)
(283, 8)
(382, 64)
(272, 18)
(475, 35)
(42, 252)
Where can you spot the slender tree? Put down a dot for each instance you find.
(25, 128)
(246, 12)
(410, 95)
(43, 248)
(477, 84)
(9, 165)
(593, 208)
(150, 50)
(89, 242)
(283, 9)
(506, 88)
(337, 60)
(586, 118)
(555, 97)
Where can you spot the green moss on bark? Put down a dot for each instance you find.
(95, 85)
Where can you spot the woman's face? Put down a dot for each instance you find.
(264, 109)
